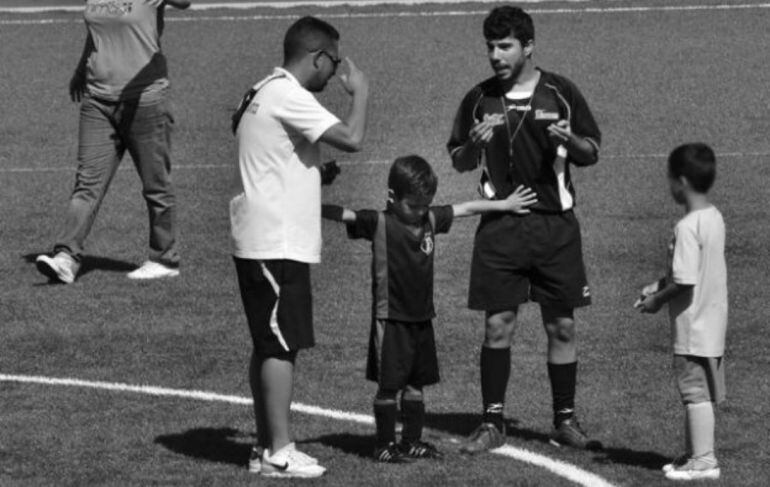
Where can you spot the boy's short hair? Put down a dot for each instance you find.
(696, 162)
(509, 21)
(308, 34)
(412, 176)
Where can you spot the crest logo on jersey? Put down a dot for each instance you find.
(427, 243)
(546, 115)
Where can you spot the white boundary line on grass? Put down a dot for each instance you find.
(361, 3)
(370, 162)
(248, 5)
(557, 467)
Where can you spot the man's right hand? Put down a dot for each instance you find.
(481, 132)
(354, 81)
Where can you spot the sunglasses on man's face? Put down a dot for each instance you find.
(335, 60)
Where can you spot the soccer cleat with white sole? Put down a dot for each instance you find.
(61, 267)
(255, 458)
(289, 462)
(153, 270)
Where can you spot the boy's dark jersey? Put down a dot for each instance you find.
(402, 262)
(521, 152)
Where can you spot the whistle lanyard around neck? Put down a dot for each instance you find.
(512, 134)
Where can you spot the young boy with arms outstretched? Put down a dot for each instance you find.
(402, 351)
(695, 289)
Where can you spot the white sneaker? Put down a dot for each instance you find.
(695, 469)
(61, 267)
(290, 462)
(153, 270)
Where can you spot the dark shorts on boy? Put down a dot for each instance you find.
(537, 256)
(277, 299)
(700, 379)
(401, 354)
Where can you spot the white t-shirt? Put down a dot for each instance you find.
(278, 214)
(697, 256)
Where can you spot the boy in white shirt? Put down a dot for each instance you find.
(695, 289)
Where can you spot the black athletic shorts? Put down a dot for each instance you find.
(537, 256)
(402, 354)
(277, 299)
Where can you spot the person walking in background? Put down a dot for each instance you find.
(276, 222)
(121, 82)
(695, 288)
(525, 126)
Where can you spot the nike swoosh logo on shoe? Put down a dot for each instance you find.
(282, 468)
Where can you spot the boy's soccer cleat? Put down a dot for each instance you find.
(289, 462)
(61, 267)
(255, 459)
(676, 462)
(485, 437)
(391, 453)
(695, 469)
(569, 433)
(420, 449)
(153, 270)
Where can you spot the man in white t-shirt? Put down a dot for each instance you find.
(276, 222)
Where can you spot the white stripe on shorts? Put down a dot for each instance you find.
(274, 315)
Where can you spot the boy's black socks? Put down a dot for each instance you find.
(412, 419)
(495, 372)
(385, 413)
(563, 379)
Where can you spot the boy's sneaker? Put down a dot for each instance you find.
(695, 469)
(289, 462)
(485, 437)
(62, 267)
(676, 462)
(569, 433)
(255, 459)
(391, 453)
(420, 449)
(153, 270)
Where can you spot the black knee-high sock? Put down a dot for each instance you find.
(563, 378)
(412, 419)
(385, 412)
(495, 372)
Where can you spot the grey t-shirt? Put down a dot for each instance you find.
(126, 62)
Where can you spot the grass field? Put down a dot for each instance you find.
(654, 77)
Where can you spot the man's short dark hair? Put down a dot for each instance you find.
(308, 34)
(509, 21)
(696, 162)
(412, 176)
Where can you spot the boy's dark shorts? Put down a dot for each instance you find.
(700, 379)
(537, 256)
(402, 354)
(277, 325)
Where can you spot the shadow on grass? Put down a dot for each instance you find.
(230, 446)
(219, 445)
(635, 458)
(93, 263)
(360, 445)
(463, 424)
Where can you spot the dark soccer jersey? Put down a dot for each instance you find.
(521, 152)
(402, 262)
